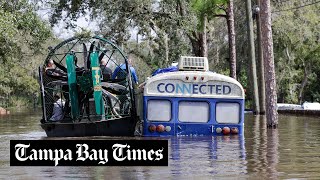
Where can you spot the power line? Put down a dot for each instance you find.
(298, 7)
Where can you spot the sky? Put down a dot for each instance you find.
(84, 22)
(60, 29)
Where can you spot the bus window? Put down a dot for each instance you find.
(159, 110)
(228, 113)
(193, 111)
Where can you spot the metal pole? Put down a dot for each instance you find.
(253, 67)
(262, 90)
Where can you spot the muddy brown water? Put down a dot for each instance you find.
(290, 152)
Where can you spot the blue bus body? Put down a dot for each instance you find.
(192, 103)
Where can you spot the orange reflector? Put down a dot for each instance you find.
(152, 128)
(234, 130)
(160, 128)
(226, 130)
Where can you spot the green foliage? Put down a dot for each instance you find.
(22, 35)
(296, 44)
(154, 21)
(177, 23)
(84, 33)
(207, 8)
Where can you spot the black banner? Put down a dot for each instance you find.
(88, 153)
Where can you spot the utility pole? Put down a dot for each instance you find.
(268, 58)
(252, 58)
(261, 81)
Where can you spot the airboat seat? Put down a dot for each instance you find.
(56, 74)
(58, 83)
(114, 88)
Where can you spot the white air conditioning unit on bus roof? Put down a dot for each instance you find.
(189, 63)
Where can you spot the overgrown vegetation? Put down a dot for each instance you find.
(22, 35)
(164, 30)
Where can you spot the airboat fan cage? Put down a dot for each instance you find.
(89, 80)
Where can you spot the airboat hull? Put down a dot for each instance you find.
(116, 127)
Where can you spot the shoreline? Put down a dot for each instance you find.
(312, 113)
(300, 112)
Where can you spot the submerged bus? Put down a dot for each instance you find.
(192, 101)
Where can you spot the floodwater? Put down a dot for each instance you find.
(290, 152)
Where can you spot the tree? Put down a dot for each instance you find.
(155, 20)
(22, 34)
(206, 11)
(296, 47)
(232, 40)
(267, 44)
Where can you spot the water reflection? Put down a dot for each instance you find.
(264, 145)
(212, 154)
(20, 122)
(291, 151)
(275, 153)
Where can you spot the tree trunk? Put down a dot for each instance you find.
(303, 83)
(195, 45)
(253, 68)
(137, 41)
(203, 45)
(166, 49)
(198, 39)
(199, 44)
(270, 82)
(262, 88)
(217, 54)
(232, 40)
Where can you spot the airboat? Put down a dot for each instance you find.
(79, 98)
